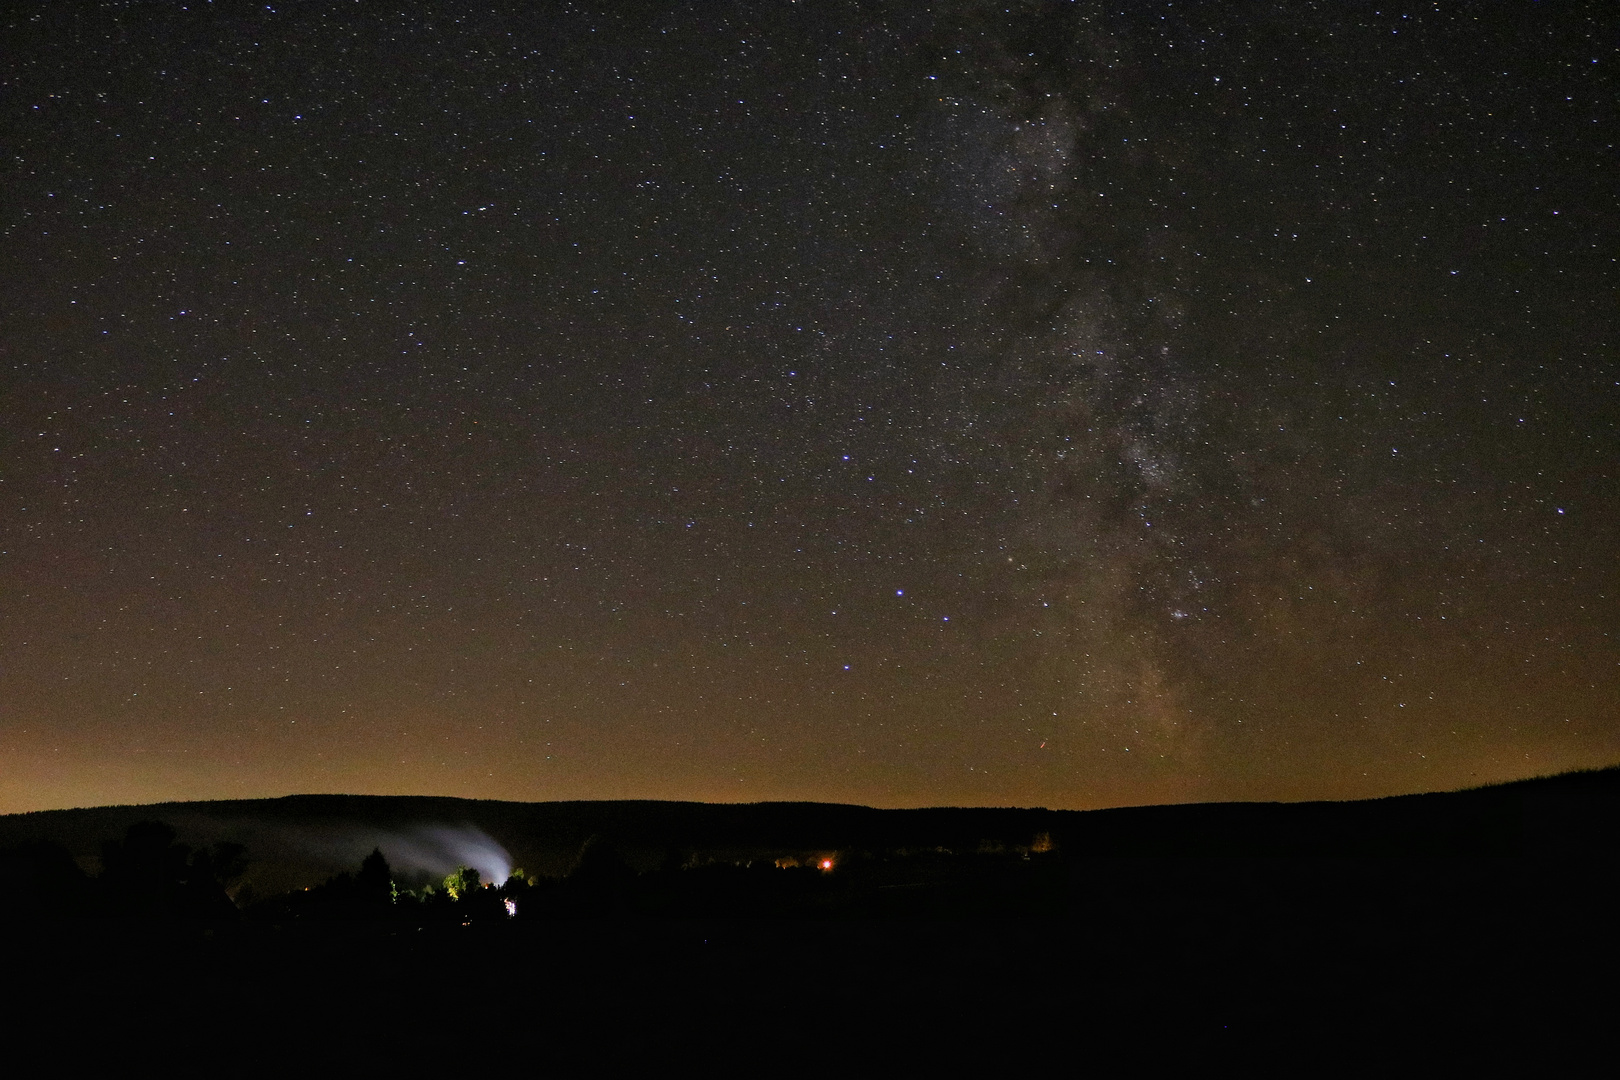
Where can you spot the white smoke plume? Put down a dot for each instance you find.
(432, 851)
(440, 849)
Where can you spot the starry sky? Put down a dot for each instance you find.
(1017, 403)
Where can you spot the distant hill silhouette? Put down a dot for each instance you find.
(301, 840)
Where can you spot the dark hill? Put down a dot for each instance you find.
(302, 839)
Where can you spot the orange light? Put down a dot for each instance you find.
(826, 864)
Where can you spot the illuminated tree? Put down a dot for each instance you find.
(463, 882)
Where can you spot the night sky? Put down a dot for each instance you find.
(1022, 403)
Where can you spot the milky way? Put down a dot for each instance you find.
(904, 404)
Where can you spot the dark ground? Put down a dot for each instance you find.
(1430, 931)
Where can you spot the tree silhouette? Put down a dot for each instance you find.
(375, 882)
(149, 874)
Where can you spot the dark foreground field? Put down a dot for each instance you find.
(1354, 937)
